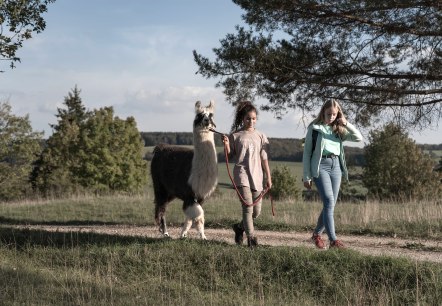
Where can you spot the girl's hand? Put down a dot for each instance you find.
(308, 184)
(225, 140)
(269, 184)
(342, 121)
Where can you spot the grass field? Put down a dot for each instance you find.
(43, 268)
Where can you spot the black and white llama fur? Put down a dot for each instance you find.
(187, 174)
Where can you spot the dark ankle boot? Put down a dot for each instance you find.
(239, 233)
(252, 241)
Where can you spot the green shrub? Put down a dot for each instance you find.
(284, 184)
(19, 146)
(396, 168)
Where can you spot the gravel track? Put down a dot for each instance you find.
(414, 249)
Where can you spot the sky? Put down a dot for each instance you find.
(136, 56)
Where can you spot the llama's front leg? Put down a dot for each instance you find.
(200, 226)
(186, 226)
(195, 213)
(163, 227)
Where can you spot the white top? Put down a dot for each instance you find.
(249, 148)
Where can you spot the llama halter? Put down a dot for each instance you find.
(243, 201)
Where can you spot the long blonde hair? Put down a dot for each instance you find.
(337, 127)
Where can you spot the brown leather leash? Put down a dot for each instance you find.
(243, 201)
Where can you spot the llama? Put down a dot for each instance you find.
(187, 174)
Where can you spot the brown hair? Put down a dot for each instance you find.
(242, 108)
(337, 127)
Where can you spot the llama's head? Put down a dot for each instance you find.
(204, 116)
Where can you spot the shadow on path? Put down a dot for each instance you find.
(12, 221)
(23, 238)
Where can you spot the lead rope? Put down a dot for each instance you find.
(243, 201)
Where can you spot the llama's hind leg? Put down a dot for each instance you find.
(160, 218)
(194, 214)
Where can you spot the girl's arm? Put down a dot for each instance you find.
(226, 142)
(353, 133)
(266, 168)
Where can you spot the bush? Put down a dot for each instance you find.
(19, 146)
(284, 184)
(396, 168)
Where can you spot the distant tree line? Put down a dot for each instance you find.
(281, 149)
(175, 138)
(431, 147)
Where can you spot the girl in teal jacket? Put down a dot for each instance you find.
(324, 163)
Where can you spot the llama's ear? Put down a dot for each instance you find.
(211, 106)
(198, 107)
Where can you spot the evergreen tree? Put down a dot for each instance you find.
(92, 151)
(396, 167)
(19, 147)
(59, 162)
(379, 58)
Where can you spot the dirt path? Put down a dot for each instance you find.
(415, 249)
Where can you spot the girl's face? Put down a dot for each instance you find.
(249, 120)
(330, 115)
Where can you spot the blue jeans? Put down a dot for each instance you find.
(328, 184)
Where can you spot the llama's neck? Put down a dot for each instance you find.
(204, 174)
(201, 141)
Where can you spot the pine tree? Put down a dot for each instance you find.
(55, 169)
(380, 58)
(91, 150)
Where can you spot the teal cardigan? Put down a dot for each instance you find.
(311, 161)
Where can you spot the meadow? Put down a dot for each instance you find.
(57, 268)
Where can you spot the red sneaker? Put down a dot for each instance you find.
(337, 244)
(318, 241)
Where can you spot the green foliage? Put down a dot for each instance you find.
(18, 19)
(396, 167)
(111, 153)
(60, 161)
(284, 184)
(370, 55)
(19, 147)
(91, 151)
